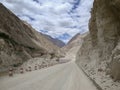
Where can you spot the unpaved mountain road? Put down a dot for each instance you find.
(65, 76)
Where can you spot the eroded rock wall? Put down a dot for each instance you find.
(100, 48)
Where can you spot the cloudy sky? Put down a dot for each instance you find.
(59, 18)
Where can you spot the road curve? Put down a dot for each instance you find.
(65, 76)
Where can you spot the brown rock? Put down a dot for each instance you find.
(98, 47)
(20, 42)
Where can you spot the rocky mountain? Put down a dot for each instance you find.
(74, 38)
(55, 41)
(73, 45)
(20, 42)
(76, 41)
(99, 54)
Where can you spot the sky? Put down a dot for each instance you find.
(60, 19)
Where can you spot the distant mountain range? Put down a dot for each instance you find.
(55, 41)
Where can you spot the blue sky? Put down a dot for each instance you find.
(59, 18)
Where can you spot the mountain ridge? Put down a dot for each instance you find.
(55, 41)
(20, 42)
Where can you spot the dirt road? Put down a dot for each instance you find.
(66, 76)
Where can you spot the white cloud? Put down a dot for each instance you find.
(63, 8)
(53, 16)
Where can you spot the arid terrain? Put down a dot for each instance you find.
(66, 76)
(19, 42)
(99, 53)
(89, 61)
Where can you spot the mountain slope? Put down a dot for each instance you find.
(19, 41)
(55, 41)
(74, 37)
(73, 45)
(76, 41)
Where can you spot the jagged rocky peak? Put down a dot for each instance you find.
(19, 41)
(101, 47)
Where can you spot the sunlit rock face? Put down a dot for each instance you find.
(100, 45)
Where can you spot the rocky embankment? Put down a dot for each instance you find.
(99, 54)
(20, 42)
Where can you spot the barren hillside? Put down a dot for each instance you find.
(20, 42)
(73, 45)
(55, 41)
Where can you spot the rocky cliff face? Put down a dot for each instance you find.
(100, 50)
(20, 42)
